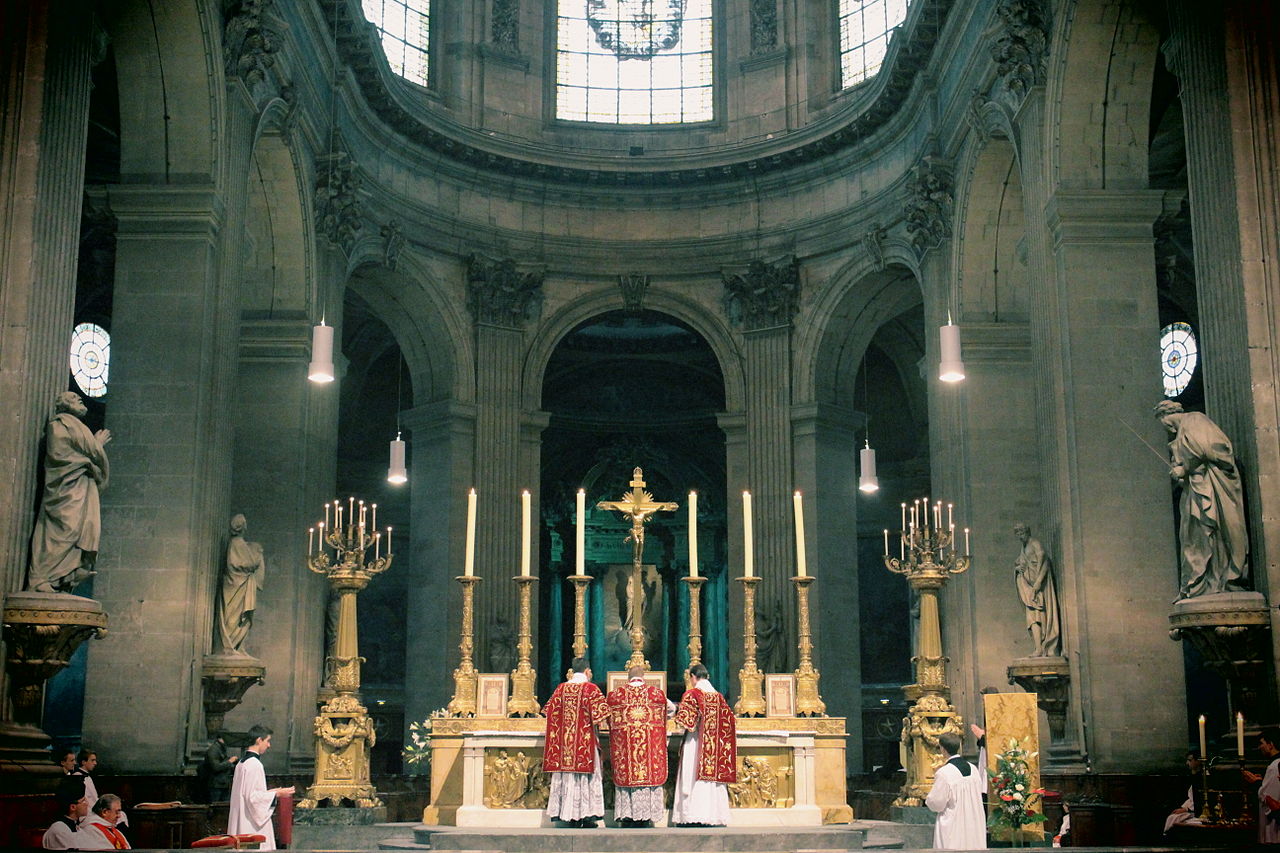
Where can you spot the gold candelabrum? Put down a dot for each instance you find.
(463, 703)
(808, 697)
(927, 557)
(523, 703)
(750, 679)
(639, 506)
(343, 729)
(580, 584)
(695, 583)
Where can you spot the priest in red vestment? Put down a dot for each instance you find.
(572, 751)
(638, 745)
(709, 757)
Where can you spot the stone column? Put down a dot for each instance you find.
(46, 64)
(167, 504)
(734, 426)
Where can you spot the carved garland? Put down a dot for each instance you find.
(1022, 45)
(501, 295)
(927, 210)
(766, 295)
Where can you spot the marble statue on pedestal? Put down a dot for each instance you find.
(238, 592)
(1033, 573)
(64, 543)
(1212, 530)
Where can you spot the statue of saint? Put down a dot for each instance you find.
(1033, 573)
(1212, 530)
(771, 638)
(64, 543)
(238, 594)
(502, 647)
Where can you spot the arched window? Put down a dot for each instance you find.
(404, 27)
(634, 61)
(865, 27)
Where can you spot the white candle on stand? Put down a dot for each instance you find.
(377, 546)
(693, 534)
(1240, 734)
(748, 560)
(801, 568)
(580, 540)
(525, 524)
(326, 514)
(967, 552)
(469, 558)
(388, 540)
(886, 541)
(937, 516)
(904, 515)
(1204, 750)
(351, 511)
(373, 521)
(902, 545)
(950, 523)
(311, 540)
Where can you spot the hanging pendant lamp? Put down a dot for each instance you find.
(396, 472)
(321, 367)
(867, 479)
(950, 366)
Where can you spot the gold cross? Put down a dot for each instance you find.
(638, 504)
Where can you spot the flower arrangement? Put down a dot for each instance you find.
(417, 753)
(1011, 790)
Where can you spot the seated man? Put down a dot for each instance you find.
(98, 832)
(64, 833)
(1186, 813)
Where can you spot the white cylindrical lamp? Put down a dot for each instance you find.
(321, 368)
(950, 366)
(867, 480)
(396, 471)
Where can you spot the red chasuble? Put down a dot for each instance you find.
(573, 712)
(717, 734)
(638, 735)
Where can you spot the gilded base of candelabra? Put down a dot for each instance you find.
(927, 720)
(695, 618)
(463, 703)
(808, 697)
(465, 685)
(523, 702)
(750, 680)
(344, 735)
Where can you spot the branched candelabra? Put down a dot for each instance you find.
(927, 556)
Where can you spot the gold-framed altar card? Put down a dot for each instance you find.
(617, 678)
(780, 694)
(491, 694)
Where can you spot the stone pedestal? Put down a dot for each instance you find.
(41, 632)
(1232, 632)
(1049, 678)
(225, 679)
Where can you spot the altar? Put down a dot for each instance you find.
(488, 772)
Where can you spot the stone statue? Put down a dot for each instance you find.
(1212, 531)
(238, 594)
(771, 638)
(64, 543)
(502, 647)
(1033, 573)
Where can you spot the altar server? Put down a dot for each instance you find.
(708, 759)
(99, 828)
(1269, 790)
(251, 801)
(957, 798)
(572, 751)
(638, 745)
(64, 833)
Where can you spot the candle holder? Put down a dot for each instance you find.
(523, 703)
(463, 703)
(695, 618)
(1206, 813)
(580, 584)
(750, 680)
(928, 560)
(808, 699)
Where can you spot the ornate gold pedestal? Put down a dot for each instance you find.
(808, 698)
(224, 680)
(695, 618)
(580, 584)
(750, 679)
(523, 703)
(463, 703)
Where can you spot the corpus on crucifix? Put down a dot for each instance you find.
(639, 506)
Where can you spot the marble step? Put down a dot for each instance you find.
(659, 840)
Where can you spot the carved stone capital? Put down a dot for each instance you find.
(633, 285)
(224, 680)
(765, 296)
(42, 630)
(1021, 44)
(339, 208)
(1050, 679)
(927, 210)
(501, 295)
(250, 42)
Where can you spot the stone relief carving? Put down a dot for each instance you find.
(873, 242)
(1021, 45)
(764, 26)
(633, 285)
(765, 295)
(505, 29)
(499, 294)
(338, 205)
(392, 244)
(928, 207)
(249, 44)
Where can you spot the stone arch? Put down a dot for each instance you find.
(275, 275)
(1101, 63)
(991, 275)
(710, 326)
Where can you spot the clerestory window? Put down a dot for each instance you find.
(404, 28)
(865, 28)
(634, 61)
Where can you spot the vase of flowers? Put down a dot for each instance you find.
(1011, 792)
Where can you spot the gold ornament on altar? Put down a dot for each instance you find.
(343, 729)
(927, 557)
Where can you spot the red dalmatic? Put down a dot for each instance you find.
(638, 735)
(717, 734)
(573, 712)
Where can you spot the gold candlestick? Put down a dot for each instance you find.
(463, 703)
(695, 618)
(808, 700)
(580, 584)
(523, 703)
(750, 680)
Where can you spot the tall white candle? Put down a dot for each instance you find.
(902, 545)
(937, 516)
(580, 548)
(373, 522)
(326, 514)
(525, 525)
(801, 568)
(748, 558)
(1204, 749)
(351, 511)
(377, 546)
(469, 559)
(388, 540)
(311, 540)
(967, 552)
(950, 523)
(693, 534)
(886, 541)
(1240, 734)
(904, 515)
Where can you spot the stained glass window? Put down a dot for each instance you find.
(865, 28)
(1178, 357)
(90, 358)
(634, 61)
(404, 27)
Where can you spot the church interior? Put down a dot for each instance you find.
(958, 321)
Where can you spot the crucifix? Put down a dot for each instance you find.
(639, 505)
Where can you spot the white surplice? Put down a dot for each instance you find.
(251, 802)
(575, 796)
(1268, 820)
(698, 800)
(962, 823)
